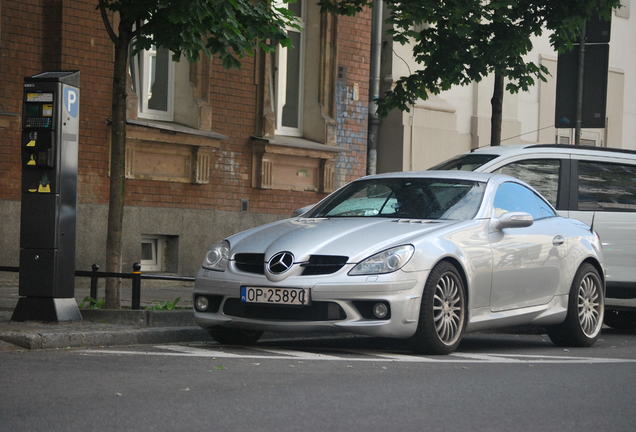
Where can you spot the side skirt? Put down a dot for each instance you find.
(550, 313)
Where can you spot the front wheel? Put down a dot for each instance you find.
(586, 303)
(232, 336)
(443, 312)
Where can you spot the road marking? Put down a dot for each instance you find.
(237, 352)
(298, 354)
(491, 358)
(197, 352)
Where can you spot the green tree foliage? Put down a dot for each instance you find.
(460, 41)
(229, 29)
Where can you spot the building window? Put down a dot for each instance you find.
(288, 78)
(588, 137)
(152, 73)
(152, 248)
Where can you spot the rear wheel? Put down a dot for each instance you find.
(442, 313)
(620, 320)
(584, 319)
(232, 336)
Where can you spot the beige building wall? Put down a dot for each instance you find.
(458, 120)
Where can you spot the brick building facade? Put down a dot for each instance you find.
(218, 159)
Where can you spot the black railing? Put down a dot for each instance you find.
(135, 276)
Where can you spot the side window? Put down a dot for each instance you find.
(541, 174)
(513, 197)
(606, 186)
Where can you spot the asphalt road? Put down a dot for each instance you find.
(495, 382)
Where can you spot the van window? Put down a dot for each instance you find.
(606, 186)
(541, 174)
(513, 197)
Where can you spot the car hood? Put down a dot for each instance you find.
(356, 238)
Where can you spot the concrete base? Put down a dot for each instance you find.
(46, 309)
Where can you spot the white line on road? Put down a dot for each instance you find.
(298, 354)
(367, 356)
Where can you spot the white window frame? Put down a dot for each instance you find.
(593, 138)
(158, 245)
(141, 63)
(281, 76)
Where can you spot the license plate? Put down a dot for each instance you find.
(269, 295)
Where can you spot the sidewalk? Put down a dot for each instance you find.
(103, 327)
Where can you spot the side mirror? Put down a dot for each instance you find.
(513, 220)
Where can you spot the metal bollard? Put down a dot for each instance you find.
(94, 279)
(136, 286)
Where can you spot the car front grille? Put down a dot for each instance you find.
(323, 264)
(316, 311)
(317, 264)
(250, 262)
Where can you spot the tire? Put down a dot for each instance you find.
(620, 320)
(586, 303)
(232, 336)
(443, 314)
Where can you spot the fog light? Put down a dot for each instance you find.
(380, 310)
(201, 303)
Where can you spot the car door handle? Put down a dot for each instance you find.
(558, 240)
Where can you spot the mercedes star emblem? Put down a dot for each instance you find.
(280, 262)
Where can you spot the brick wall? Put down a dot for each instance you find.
(70, 35)
(20, 55)
(354, 47)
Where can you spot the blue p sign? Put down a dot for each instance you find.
(71, 101)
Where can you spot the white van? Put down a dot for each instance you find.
(595, 185)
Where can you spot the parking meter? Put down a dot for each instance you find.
(49, 145)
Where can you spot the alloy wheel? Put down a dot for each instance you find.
(590, 306)
(448, 309)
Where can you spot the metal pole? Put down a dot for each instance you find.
(94, 267)
(579, 89)
(374, 119)
(136, 286)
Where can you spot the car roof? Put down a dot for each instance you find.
(555, 148)
(449, 174)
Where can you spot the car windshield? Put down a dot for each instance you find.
(469, 162)
(408, 198)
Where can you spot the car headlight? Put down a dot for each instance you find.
(217, 257)
(386, 261)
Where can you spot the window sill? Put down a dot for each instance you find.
(173, 133)
(290, 163)
(293, 145)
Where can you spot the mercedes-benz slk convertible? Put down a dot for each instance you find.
(422, 256)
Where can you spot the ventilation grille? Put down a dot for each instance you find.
(317, 264)
(250, 262)
(316, 311)
(323, 264)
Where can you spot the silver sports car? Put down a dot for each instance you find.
(421, 256)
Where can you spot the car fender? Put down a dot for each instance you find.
(472, 253)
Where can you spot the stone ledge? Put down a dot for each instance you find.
(140, 318)
(108, 337)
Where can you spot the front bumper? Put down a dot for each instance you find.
(401, 290)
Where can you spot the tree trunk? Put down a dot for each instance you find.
(117, 168)
(497, 105)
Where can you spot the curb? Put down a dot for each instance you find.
(149, 335)
(141, 318)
